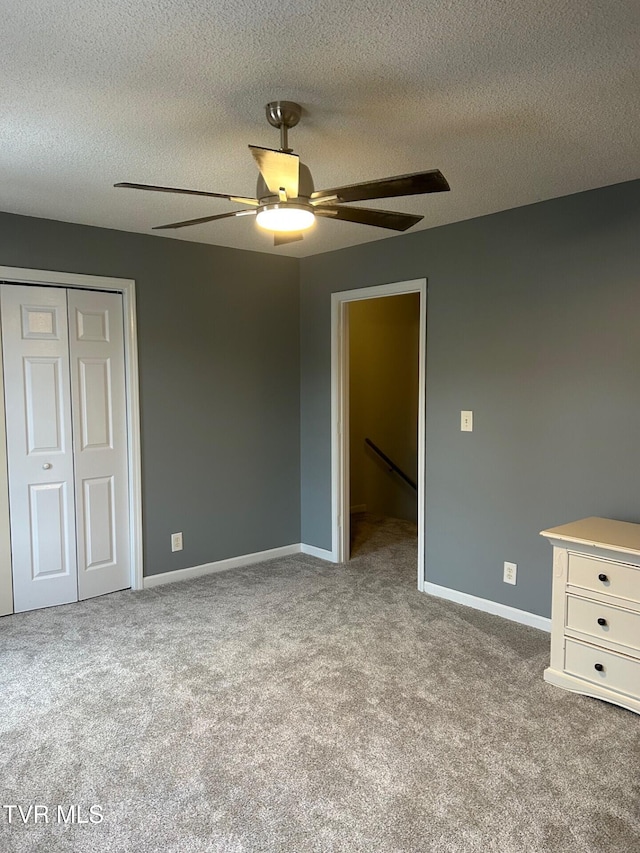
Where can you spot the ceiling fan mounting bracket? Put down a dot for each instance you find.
(283, 115)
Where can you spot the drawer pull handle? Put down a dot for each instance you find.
(599, 667)
(603, 578)
(602, 621)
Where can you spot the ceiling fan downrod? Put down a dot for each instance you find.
(283, 115)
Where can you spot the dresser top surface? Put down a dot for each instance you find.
(599, 532)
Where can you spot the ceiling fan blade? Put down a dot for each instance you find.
(282, 237)
(238, 198)
(367, 216)
(205, 219)
(279, 170)
(415, 184)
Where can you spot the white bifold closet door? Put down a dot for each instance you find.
(63, 356)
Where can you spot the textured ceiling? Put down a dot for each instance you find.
(515, 101)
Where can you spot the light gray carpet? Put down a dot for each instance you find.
(298, 706)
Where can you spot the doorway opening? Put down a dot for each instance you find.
(378, 411)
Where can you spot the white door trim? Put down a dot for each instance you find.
(127, 288)
(6, 575)
(340, 413)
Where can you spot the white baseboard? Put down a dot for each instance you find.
(358, 508)
(235, 563)
(220, 566)
(512, 613)
(317, 552)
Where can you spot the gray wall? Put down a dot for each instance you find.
(534, 325)
(219, 382)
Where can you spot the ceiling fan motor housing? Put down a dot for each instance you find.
(305, 188)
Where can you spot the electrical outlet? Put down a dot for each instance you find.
(510, 572)
(176, 541)
(466, 421)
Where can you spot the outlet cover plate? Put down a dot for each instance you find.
(510, 573)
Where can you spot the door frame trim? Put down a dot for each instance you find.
(340, 413)
(127, 287)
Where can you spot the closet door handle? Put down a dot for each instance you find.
(603, 578)
(602, 621)
(47, 465)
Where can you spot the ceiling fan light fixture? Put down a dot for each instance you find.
(286, 203)
(285, 216)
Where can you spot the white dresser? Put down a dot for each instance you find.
(595, 612)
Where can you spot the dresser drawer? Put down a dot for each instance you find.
(604, 576)
(604, 621)
(614, 671)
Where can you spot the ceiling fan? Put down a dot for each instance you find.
(286, 202)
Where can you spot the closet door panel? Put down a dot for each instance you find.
(98, 506)
(99, 415)
(39, 445)
(48, 506)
